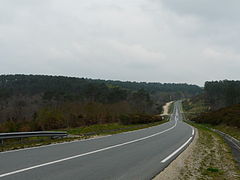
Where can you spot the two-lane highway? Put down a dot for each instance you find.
(134, 155)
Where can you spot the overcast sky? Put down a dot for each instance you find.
(138, 40)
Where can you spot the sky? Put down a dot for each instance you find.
(136, 40)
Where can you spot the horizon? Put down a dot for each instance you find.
(116, 79)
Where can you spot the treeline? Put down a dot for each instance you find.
(70, 87)
(65, 115)
(229, 116)
(220, 94)
(182, 88)
(219, 104)
(36, 102)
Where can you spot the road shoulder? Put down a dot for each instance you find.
(207, 157)
(173, 171)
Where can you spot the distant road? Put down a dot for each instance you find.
(138, 154)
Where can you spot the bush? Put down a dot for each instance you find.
(138, 119)
(229, 116)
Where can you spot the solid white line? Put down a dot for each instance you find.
(84, 154)
(175, 152)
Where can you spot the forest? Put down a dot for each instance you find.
(219, 94)
(218, 105)
(229, 116)
(40, 102)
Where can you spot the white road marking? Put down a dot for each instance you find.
(84, 154)
(75, 141)
(175, 152)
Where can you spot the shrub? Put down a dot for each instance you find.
(138, 119)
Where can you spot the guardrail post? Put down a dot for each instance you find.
(1, 141)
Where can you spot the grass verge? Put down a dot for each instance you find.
(211, 158)
(232, 131)
(193, 109)
(76, 134)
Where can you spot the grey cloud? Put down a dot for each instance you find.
(143, 40)
(209, 9)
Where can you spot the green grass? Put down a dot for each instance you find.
(213, 155)
(102, 129)
(213, 169)
(171, 106)
(14, 144)
(232, 131)
(194, 109)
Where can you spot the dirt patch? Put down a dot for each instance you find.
(207, 157)
(166, 108)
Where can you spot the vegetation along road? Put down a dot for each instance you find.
(134, 155)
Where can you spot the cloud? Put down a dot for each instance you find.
(143, 40)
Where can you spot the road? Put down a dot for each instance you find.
(140, 154)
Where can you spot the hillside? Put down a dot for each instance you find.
(219, 94)
(219, 104)
(36, 102)
(79, 87)
(218, 107)
(229, 116)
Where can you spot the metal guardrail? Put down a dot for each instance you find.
(228, 137)
(20, 135)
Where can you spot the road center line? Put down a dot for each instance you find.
(84, 154)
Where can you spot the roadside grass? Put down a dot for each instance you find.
(232, 131)
(14, 144)
(196, 107)
(213, 169)
(192, 110)
(171, 107)
(211, 158)
(113, 128)
(76, 134)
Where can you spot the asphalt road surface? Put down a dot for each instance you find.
(140, 154)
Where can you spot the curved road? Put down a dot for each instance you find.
(140, 154)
